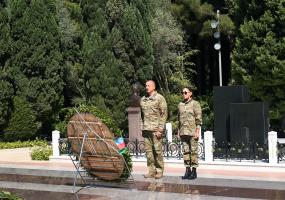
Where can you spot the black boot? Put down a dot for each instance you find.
(193, 174)
(187, 173)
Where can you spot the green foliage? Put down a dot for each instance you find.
(9, 196)
(66, 114)
(6, 91)
(127, 170)
(172, 107)
(195, 16)
(73, 8)
(241, 10)
(183, 71)
(258, 59)
(4, 32)
(69, 14)
(35, 68)
(41, 152)
(57, 54)
(105, 85)
(168, 44)
(6, 95)
(19, 144)
(192, 14)
(134, 48)
(22, 125)
(206, 103)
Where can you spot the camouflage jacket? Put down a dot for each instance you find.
(189, 116)
(154, 112)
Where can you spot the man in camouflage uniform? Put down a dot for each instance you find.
(154, 115)
(190, 120)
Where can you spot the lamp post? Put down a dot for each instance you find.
(215, 24)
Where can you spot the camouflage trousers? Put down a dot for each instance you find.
(190, 151)
(154, 154)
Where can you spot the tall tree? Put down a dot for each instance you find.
(243, 10)
(168, 45)
(259, 56)
(169, 51)
(69, 14)
(5, 34)
(141, 39)
(36, 66)
(105, 86)
(6, 92)
(195, 17)
(130, 22)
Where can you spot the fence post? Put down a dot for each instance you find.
(55, 143)
(272, 147)
(208, 142)
(200, 135)
(168, 127)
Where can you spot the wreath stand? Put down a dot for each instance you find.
(95, 155)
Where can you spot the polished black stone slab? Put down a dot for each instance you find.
(150, 185)
(212, 190)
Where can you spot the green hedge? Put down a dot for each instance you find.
(20, 144)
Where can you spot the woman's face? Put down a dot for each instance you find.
(186, 94)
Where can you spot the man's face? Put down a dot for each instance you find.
(149, 86)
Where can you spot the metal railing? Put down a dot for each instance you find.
(171, 149)
(240, 151)
(64, 146)
(221, 151)
(281, 151)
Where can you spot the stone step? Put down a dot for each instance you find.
(66, 177)
(58, 184)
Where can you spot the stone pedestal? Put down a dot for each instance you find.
(134, 119)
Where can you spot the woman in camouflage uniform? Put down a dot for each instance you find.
(190, 120)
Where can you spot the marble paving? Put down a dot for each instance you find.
(52, 180)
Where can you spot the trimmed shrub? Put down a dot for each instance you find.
(41, 152)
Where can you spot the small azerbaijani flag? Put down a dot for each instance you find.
(121, 144)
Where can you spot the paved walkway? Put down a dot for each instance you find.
(21, 158)
(240, 180)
